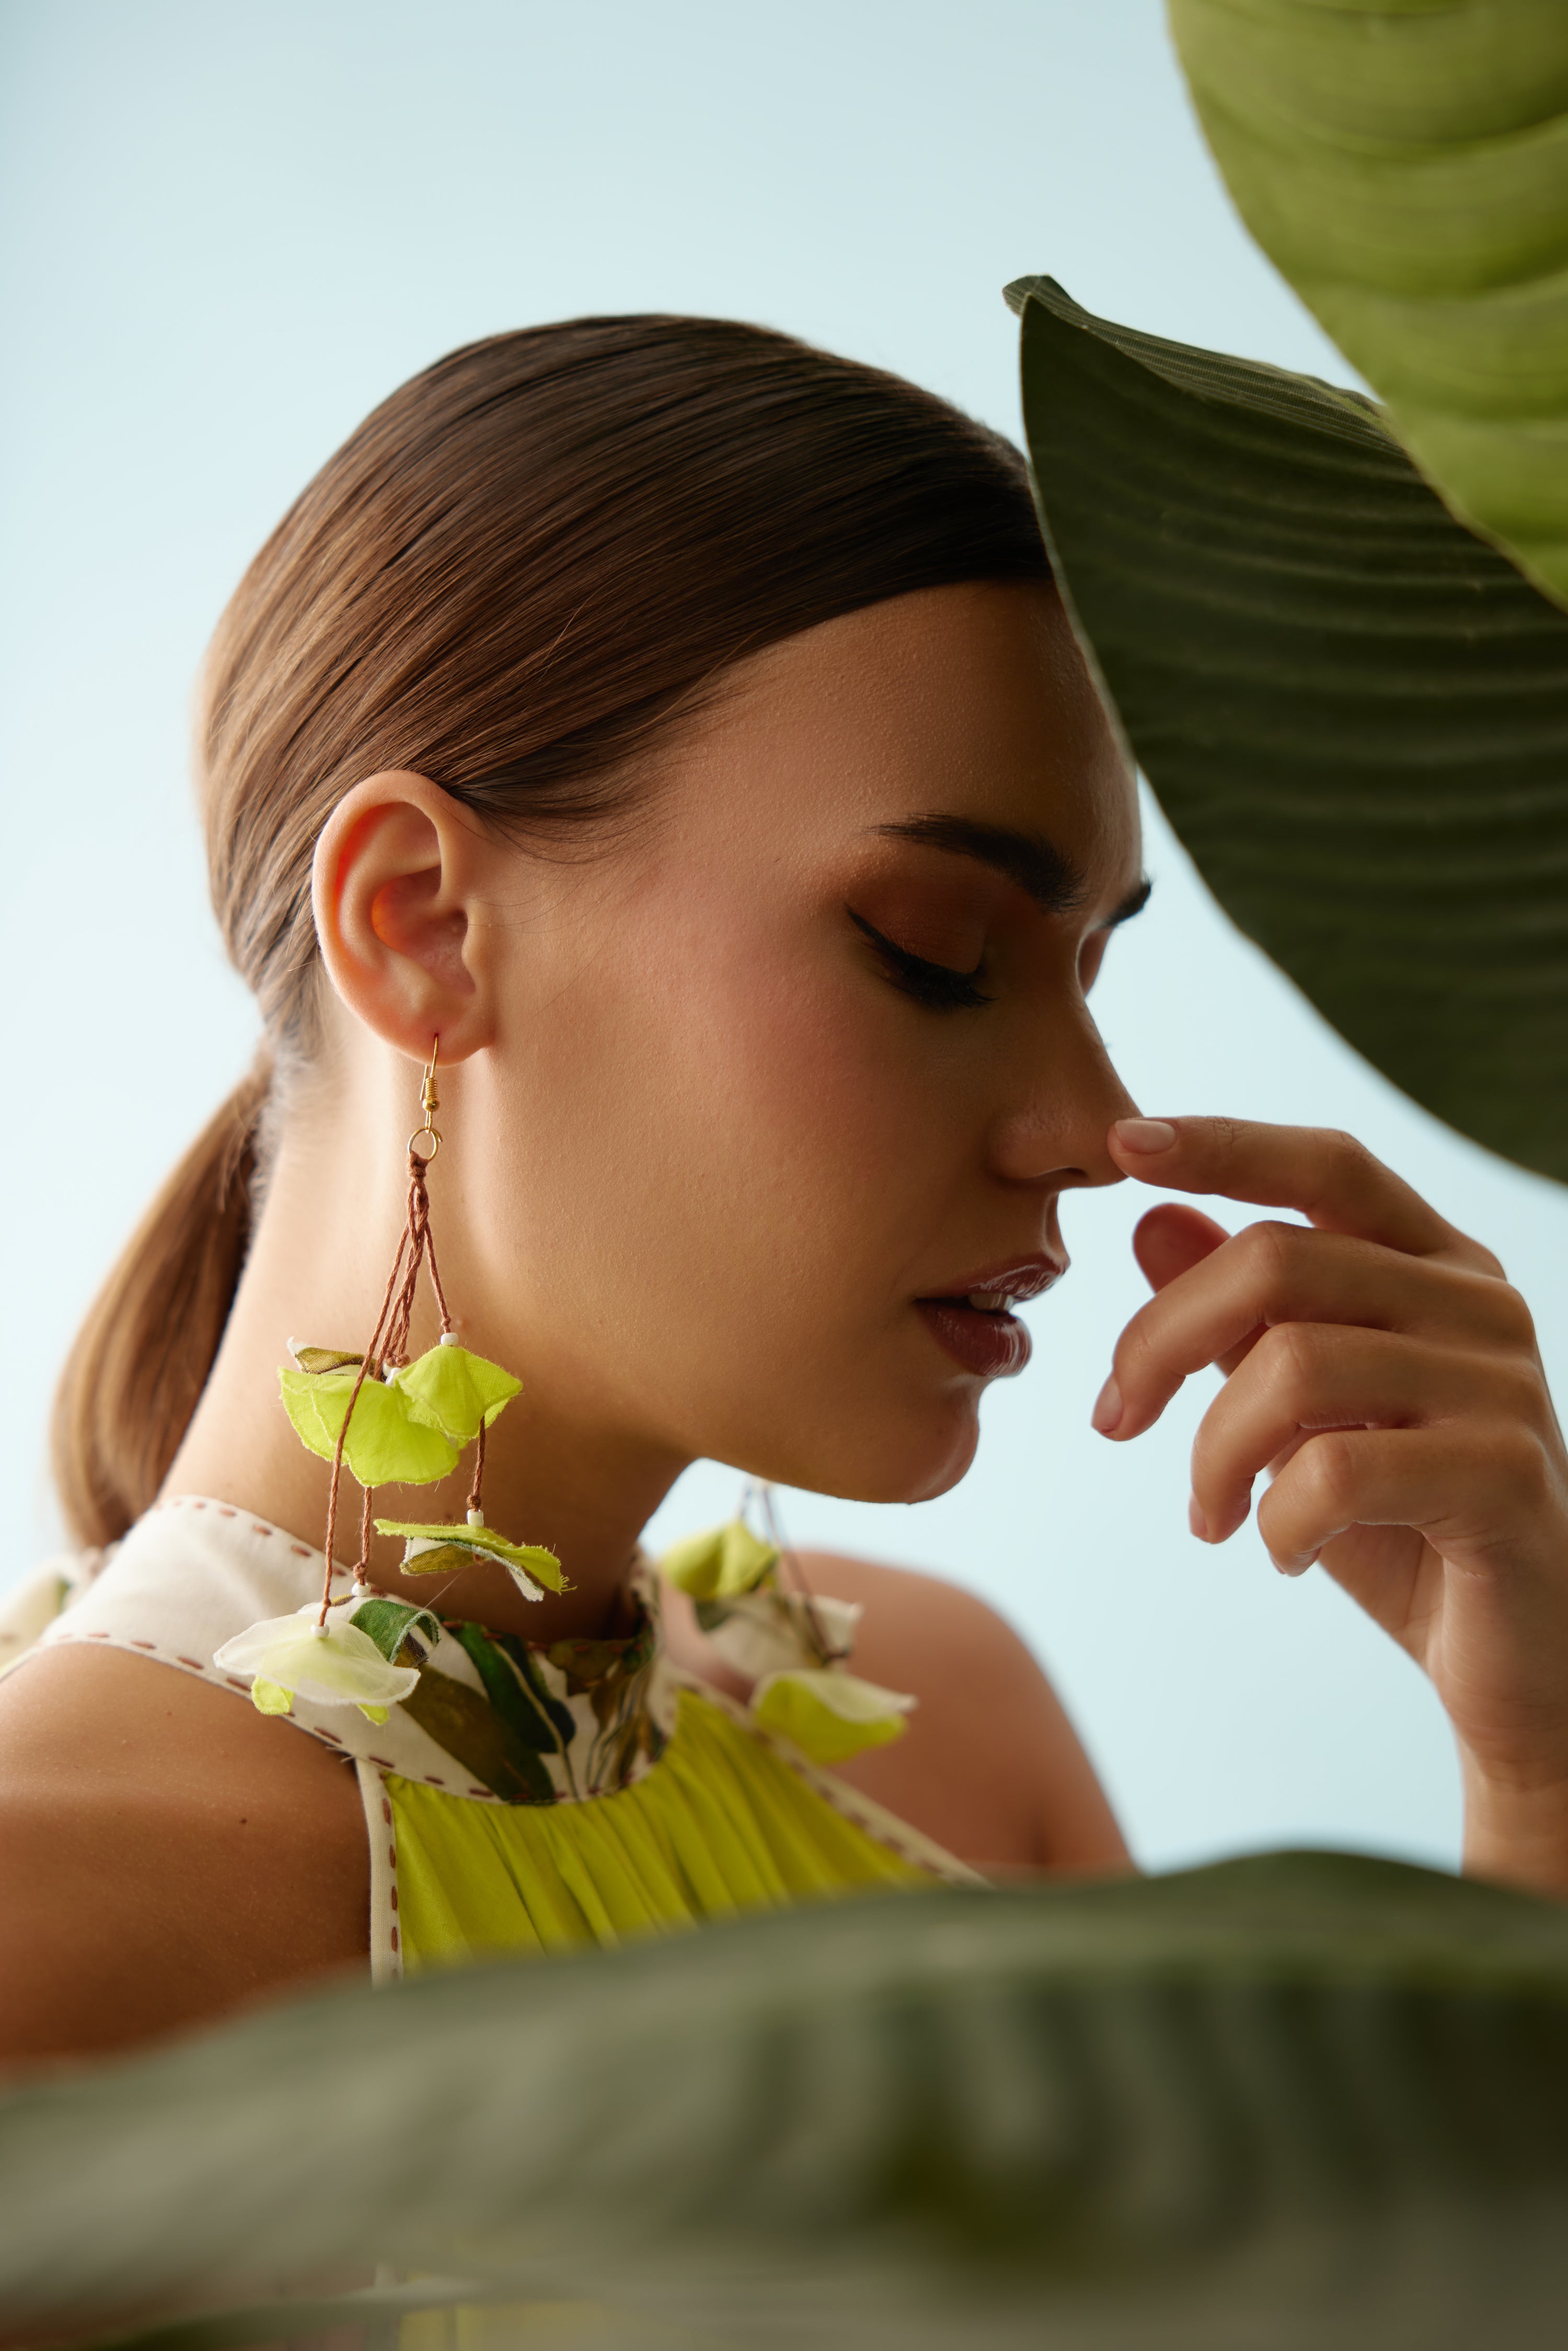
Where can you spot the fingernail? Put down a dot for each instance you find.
(1296, 1566)
(1197, 1520)
(1107, 1409)
(1145, 1135)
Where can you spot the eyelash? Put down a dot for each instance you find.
(933, 985)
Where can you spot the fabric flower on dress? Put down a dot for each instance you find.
(723, 1562)
(771, 1632)
(444, 1550)
(340, 1663)
(830, 1714)
(793, 1645)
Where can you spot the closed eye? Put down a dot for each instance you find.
(936, 985)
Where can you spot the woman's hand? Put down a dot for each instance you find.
(1383, 1373)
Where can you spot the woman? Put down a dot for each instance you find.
(679, 728)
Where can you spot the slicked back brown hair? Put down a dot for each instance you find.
(519, 573)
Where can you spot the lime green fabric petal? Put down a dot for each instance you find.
(533, 1559)
(456, 1392)
(315, 1404)
(722, 1563)
(269, 1697)
(829, 1715)
(387, 1443)
(374, 1713)
(693, 1566)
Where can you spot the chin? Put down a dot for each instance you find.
(911, 1460)
(942, 1477)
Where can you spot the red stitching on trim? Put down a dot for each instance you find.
(385, 1767)
(386, 1808)
(235, 1685)
(434, 1780)
(392, 1856)
(144, 1645)
(98, 1636)
(226, 1514)
(395, 1897)
(259, 1530)
(394, 1939)
(481, 1791)
(301, 1551)
(194, 1663)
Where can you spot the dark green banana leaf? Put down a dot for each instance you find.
(1353, 711)
(1295, 2101)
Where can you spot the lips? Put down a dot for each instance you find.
(972, 1321)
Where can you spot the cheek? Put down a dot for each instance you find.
(832, 1116)
(714, 1172)
(739, 1125)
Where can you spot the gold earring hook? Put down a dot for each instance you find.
(430, 1103)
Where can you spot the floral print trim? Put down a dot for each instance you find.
(198, 1568)
(554, 1724)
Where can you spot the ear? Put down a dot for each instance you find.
(393, 886)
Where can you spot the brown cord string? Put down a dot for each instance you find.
(474, 1502)
(787, 1560)
(421, 1250)
(388, 1348)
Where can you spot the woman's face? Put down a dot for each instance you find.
(787, 1085)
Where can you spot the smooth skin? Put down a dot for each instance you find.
(703, 1153)
(1380, 1370)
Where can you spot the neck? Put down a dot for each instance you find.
(557, 1471)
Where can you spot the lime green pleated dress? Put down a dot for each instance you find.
(523, 1799)
(720, 1825)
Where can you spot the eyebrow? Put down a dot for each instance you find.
(1039, 868)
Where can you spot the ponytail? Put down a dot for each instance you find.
(141, 1358)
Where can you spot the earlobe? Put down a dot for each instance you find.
(392, 888)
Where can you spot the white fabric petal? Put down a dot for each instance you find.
(769, 1632)
(343, 1668)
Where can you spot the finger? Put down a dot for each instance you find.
(1333, 1180)
(1305, 1377)
(1459, 1495)
(1172, 1240)
(1272, 1273)
(1169, 1242)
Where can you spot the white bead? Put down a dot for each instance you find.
(450, 1339)
(476, 1518)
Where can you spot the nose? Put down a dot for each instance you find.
(1054, 1134)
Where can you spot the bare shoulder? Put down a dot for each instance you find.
(166, 1852)
(990, 1766)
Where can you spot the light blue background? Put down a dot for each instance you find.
(228, 229)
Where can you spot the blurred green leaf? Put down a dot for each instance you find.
(1405, 162)
(1305, 2100)
(1353, 711)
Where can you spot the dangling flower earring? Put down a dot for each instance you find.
(391, 1422)
(795, 1645)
